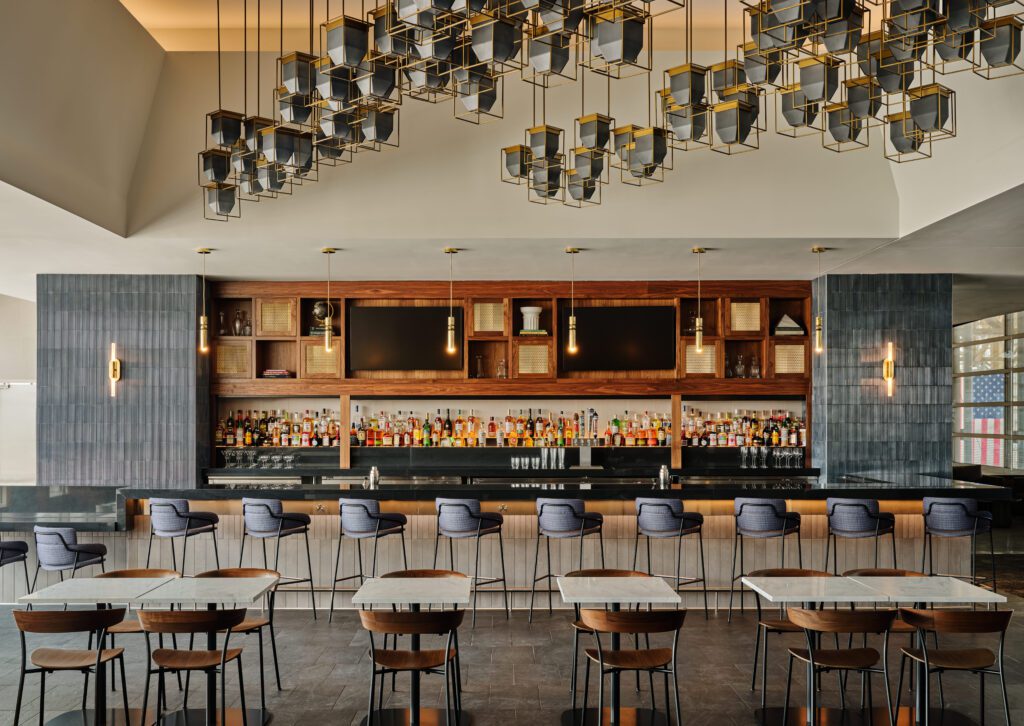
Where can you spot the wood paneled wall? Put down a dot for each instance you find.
(129, 550)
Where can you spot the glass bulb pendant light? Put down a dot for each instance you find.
(329, 318)
(450, 347)
(572, 348)
(204, 321)
(819, 336)
(699, 323)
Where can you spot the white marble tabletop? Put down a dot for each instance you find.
(814, 589)
(204, 591)
(413, 591)
(617, 590)
(93, 590)
(935, 589)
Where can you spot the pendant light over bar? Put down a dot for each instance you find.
(204, 320)
(572, 348)
(329, 318)
(819, 339)
(699, 323)
(450, 347)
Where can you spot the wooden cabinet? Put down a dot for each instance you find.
(533, 357)
(315, 362)
(232, 358)
(276, 317)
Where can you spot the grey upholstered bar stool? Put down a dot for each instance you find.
(857, 519)
(172, 518)
(462, 519)
(266, 519)
(57, 550)
(13, 551)
(949, 517)
(562, 519)
(362, 519)
(665, 519)
(759, 518)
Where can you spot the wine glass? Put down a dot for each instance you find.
(764, 457)
(744, 451)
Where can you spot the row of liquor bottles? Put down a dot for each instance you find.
(580, 428)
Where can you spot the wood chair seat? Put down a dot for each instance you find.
(578, 624)
(125, 627)
(192, 660)
(644, 659)
(412, 660)
(251, 625)
(899, 627)
(966, 659)
(850, 659)
(61, 659)
(779, 625)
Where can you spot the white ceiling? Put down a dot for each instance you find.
(122, 197)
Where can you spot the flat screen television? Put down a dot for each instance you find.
(401, 339)
(619, 338)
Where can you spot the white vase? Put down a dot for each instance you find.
(531, 317)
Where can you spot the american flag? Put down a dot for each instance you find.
(983, 419)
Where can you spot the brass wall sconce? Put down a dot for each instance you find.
(889, 370)
(113, 370)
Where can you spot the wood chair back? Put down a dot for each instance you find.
(842, 621)
(138, 572)
(882, 572)
(788, 572)
(650, 621)
(606, 573)
(240, 572)
(958, 621)
(190, 621)
(411, 623)
(423, 573)
(67, 621)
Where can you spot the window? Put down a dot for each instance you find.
(988, 392)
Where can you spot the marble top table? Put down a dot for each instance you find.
(613, 593)
(935, 589)
(414, 592)
(94, 590)
(814, 590)
(208, 591)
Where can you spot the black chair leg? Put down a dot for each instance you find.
(732, 573)
(334, 583)
(547, 546)
(309, 568)
(704, 583)
(533, 584)
(504, 577)
(216, 554)
(124, 695)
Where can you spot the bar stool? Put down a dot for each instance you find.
(865, 661)
(779, 625)
(440, 661)
(265, 519)
(462, 519)
(57, 550)
(172, 660)
(54, 660)
(762, 519)
(256, 624)
(982, 661)
(562, 519)
(362, 519)
(649, 660)
(955, 517)
(857, 519)
(13, 551)
(663, 519)
(172, 518)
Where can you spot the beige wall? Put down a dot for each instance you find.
(17, 403)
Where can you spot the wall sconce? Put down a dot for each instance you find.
(113, 370)
(888, 370)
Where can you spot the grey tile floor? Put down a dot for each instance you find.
(513, 672)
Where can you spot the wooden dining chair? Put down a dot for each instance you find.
(173, 660)
(778, 625)
(130, 626)
(899, 626)
(256, 623)
(437, 661)
(981, 661)
(579, 628)
(52, 660)
(864, 660)
(649, 660)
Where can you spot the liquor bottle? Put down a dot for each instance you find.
(529, 422)
(388, 438)
(520, 425)
(229, 432)
(499, 437)
(492, 429)
(425, 432)
(447, 432)
(218, 434)
(528, 439)
(659, 434)
(630, 434)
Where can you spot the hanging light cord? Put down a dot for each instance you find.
(698, 285)
(204, 281)
(258, 33)
(329, 306)
(245, 57)
(451, 284)
(220, 103)
(572, 284)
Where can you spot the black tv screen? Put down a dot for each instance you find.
(619, 338)
(402, 339)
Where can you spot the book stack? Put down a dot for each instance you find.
(317, 331)
(276, 373)
(533, 332)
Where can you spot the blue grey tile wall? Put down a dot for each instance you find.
(857, 429)
(150, 434)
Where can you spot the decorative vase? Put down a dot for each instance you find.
(237, 325)
(531, 317)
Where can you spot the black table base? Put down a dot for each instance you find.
(878, 716)
(428, 717)
(197, 717)
(627, 717)
(115, 717)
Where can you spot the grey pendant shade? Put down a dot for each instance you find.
(348, 41)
